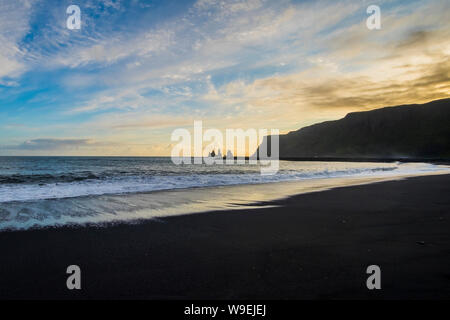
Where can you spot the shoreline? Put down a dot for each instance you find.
(369, 159)
(309, 246)
(160, 204)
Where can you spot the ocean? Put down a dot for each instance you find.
(59, 191)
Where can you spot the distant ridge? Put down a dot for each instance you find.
(420, 131)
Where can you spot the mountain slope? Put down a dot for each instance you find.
(420, 131)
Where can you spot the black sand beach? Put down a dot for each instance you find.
(313, 246)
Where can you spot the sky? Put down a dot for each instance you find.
(137, 70)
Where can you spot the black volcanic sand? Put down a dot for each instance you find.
(315, 246)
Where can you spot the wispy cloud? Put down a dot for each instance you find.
(14, 24)
(138, 69)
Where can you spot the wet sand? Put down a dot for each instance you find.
(309, 246)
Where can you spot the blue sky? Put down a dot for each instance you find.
(137, 70)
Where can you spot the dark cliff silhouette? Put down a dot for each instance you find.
(407, 131)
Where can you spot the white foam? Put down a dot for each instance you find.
(98, 202)
(134, 184)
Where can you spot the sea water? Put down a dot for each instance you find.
(58, 191)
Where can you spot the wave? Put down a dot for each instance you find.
(102, 201)
(87, 184)
(46, 178)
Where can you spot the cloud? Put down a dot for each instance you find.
(126, 77)
(140, 120)
(359, 70)
(211, 37)
(14, 18)
(51, 144)
(85, 147)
